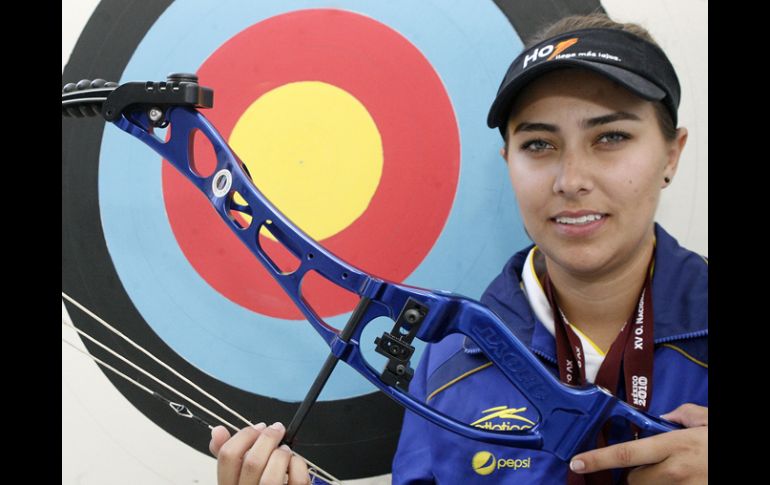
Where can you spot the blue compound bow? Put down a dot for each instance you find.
(570, 417)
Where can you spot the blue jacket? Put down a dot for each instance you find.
(455, 377)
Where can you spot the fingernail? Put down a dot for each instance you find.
(213, 430)
(665, 416)
(260, 426)
(277, 425)
(577, 466)
(285, 447)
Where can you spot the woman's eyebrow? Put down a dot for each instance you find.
(603, 120)
(585, 124)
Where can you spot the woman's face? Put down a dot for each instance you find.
(587, 161)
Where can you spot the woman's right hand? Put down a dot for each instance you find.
(253, 457)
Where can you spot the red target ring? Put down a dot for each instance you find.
(403, 95)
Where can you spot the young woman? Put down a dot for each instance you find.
(588, 113)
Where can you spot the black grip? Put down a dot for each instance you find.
(110, 101)
(85, 98)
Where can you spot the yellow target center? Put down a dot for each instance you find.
(314, 151)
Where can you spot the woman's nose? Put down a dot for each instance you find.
(574, 176)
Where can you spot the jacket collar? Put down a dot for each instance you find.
(679, 298)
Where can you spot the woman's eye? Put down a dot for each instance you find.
(535, 145)
(609, 138)
(614, 137)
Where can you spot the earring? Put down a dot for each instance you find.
(668, 180)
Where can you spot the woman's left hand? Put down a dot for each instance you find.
(679, 456)
(253, 456)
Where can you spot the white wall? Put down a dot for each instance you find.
(106, 440)
(681, 28)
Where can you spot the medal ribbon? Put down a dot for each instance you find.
(632, 350)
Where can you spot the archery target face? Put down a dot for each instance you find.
(365, 124)
(208, 297)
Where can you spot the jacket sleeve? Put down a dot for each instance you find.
(412, 463)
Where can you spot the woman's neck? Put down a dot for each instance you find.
(599, 305)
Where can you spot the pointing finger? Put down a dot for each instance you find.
(623, 455)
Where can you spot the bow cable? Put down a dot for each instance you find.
(177, 408)
(157, 360)
(86, 335)
(180, 409)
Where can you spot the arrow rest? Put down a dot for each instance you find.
(396, 345)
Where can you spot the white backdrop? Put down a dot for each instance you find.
(105, 440)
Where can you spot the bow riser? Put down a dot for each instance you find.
(569, 416)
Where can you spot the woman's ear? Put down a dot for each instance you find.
(676, 147)
(504, 153)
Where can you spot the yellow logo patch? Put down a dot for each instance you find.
(484, 463)
(509, 419)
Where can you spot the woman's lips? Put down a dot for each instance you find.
(584, 229)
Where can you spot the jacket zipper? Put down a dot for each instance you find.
(699, 333)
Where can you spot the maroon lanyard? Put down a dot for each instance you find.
(633, 348)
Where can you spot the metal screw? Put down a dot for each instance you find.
(413, 316)
(222, 182)
(395, 350)
(179, 77)
(155, 114)
(400, 369)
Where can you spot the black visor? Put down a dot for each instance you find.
(638, 65)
